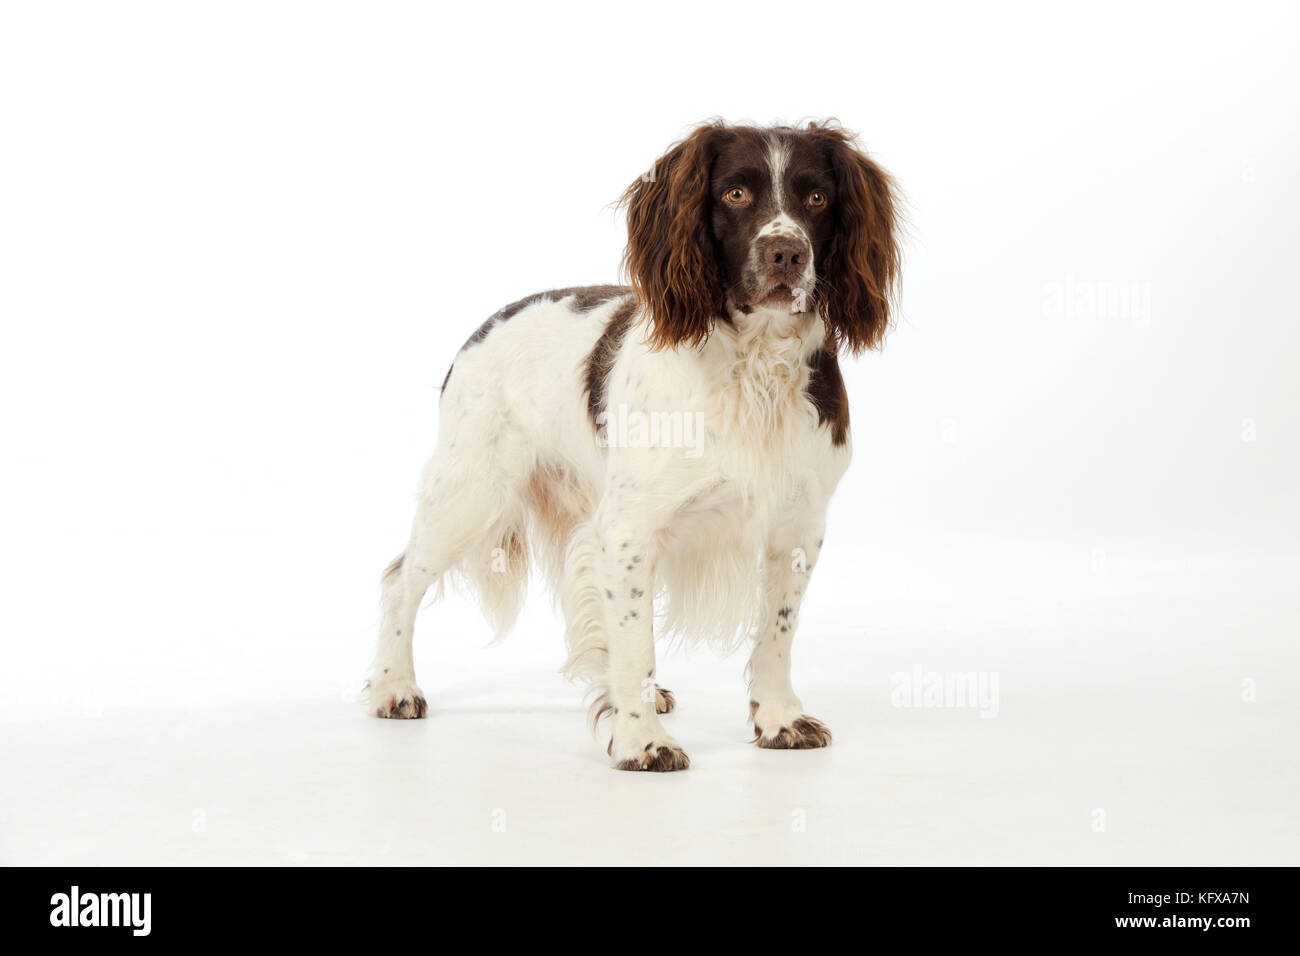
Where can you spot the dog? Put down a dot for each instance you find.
(663, 452)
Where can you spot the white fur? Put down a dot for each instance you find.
(778, 158)
(716, 546)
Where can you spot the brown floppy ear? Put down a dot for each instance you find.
(863, 263)
(670, 256)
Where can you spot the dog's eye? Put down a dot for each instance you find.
(736, 196)
(817, 199)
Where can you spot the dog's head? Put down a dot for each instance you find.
(747, 219)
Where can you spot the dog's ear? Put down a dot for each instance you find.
(670, 256)
(863, 262)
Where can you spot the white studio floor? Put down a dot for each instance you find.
(1125, 733)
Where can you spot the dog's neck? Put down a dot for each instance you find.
(776, 332)
(762, 359)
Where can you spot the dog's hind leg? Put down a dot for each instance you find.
(456, 510)
(392, 690)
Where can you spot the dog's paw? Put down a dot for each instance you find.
(774, 730)
(664, 700)
(399, 699)
(657, 758)
(639, 742)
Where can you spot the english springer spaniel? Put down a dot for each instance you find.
(665, 451)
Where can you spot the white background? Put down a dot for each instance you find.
(240, 244)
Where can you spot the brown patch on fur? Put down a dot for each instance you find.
(393, 567)
(827, 393)
(586, 298)
(664, 700)
(806, 733)
(558, 500)
(557, 497)
(601, 359)
(516, 551)
(664, 760)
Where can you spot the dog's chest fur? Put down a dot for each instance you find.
(768, 461)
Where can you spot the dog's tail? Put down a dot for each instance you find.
(494, 572)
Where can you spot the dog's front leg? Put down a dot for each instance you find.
(639, 740)
(779, 719)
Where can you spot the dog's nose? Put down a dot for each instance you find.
(783, 254)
